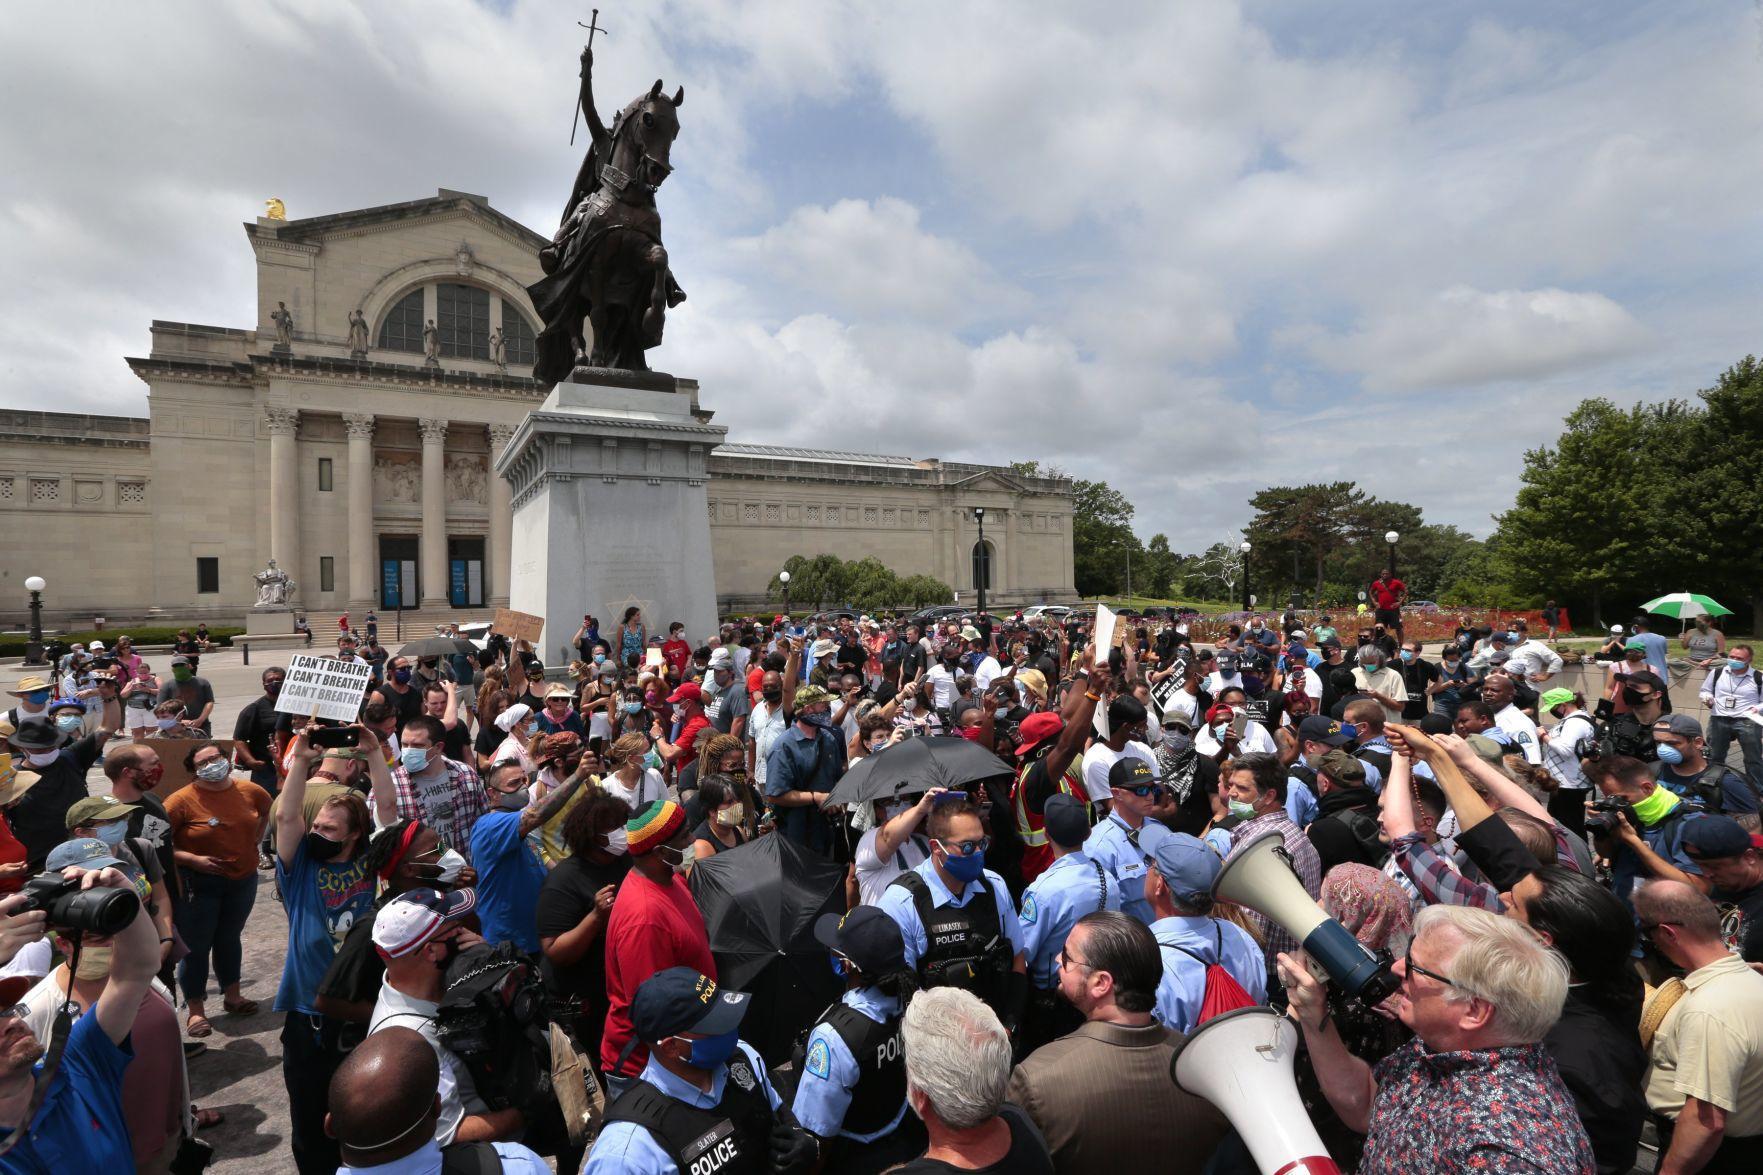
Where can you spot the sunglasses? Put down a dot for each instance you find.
(965, 848)
(1145, 790)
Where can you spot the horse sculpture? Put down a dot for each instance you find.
(606, 263)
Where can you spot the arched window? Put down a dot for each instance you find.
(517, 334)
(402, 329)
(462, 315)
(982, 565)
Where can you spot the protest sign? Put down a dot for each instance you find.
(518, 626)
(325, 687)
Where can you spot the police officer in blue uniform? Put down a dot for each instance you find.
(955, 916)
(852, 1089)
(1123, 842)
(704, 1101)
(1072, 886)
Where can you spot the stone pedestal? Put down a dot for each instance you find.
(608, 482)
(271, 620)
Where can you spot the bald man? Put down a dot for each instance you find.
(384, 1101)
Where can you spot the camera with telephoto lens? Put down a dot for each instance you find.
(101, 910)
(1609, 809)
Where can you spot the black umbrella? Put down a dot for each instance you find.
(917, 765)
(759, 903)
(438, 646)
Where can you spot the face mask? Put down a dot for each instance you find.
(820, 719)
(69, 722)
(650, 698)
(42, 758)
(182, 673)
(37, 697)
(909, 704)
(165, 723)
(772, 696)
(214, 772)
(731, 816)
(599, 658)
(675, 858)
(1634, 697)
(1670, 756)
(111, 832)
(630, 707)
(413, 759)
(618, 842)
(1656, 806)
(889, 811)
(401, 676)
(1253, 686)
(321, 847)
(1407, 654)
(1734, 665)
(712, 1051)
(965, 869)
(94, 963)
(1001, 713)
(1242, 810)
(513, 801)
(448, 866)
(273, 688)
(1175, 742)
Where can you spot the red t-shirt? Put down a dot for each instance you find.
(677, 654)
(756, 681)
(651, 929)
(12, 852)
(1387, 592)
(688, 734)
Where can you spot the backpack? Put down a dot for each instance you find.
(1223, 992)
(1756, 680)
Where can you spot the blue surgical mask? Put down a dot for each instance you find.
(1670, 756)
(37, 697)
(599, 658)
(414, 759)
(965, 869)
(111, 832)
(630, 707)
(1407, 654)
(69, 722)
(1736, 666)
(710, 1051)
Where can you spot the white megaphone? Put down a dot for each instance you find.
(1259, 875)
(1241, 1062)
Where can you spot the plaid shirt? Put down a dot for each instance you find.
(449, 805)
(1500, 1109)
(1436, 878)
(1305, 863)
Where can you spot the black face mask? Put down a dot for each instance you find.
(322, 848)
(1634, 697)
(774, 696)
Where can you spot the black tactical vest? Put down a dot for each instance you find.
(881, 1068)
(964, 945)
(732, 1138)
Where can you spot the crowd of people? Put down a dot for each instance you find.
(492, 867)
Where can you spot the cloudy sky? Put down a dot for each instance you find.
(1191, 248)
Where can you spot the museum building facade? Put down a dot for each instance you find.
(351, 434)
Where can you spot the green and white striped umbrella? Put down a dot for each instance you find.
(1684, 605)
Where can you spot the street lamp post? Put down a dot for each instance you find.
(1245, 549)
(1391, 537)
(983, 565)
(783, 577)
(33, 650)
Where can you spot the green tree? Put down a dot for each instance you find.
(1161, 565)
(1724, 520)
(1102, 538)
(1296, 532)
(925, 591)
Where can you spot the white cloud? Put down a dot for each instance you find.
(1462, 336)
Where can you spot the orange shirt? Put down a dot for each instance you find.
(220, 824)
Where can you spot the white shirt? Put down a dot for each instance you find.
(1387, 682)
(1256, 740)
(650, 787)
(1182, 704)
(1534, 657)
(764, 725)
(1101, 757)
(1567, 740)
(394, 1009)
(1730, 694)
(1216, 682)
(985, 671)
(1309, 679)
(874, 875)
(1522, 731)
(942, 686)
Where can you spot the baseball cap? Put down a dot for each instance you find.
(1130, 771)
(1219, 712)
(1066, 821)
(412, 918)
(180, 659)
(1711, 837)
(1188, 866)
(721, 659)
(1484, 745)
(1682, 725)
(1299, 634)
(1342, 768)
(1636, 643)
(1499, 658)
(689, 692)
(87, 852)
(1036, 729)
(679, 999)
(1553, 698)
(97, 810)
(867, 937)
(1318, 728)
(808, 695)
(1618, 629)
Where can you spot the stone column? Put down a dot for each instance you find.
(362, 564)
(434, 513)
(501, 520)
(284, 489)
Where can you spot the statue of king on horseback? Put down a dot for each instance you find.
(606, 264)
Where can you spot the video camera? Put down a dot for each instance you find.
(1607, 810)
(103, 911)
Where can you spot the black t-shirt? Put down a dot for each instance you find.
(1027, 1155)
(566, 898)
(489, 737)
(406, 705)
(151, 823)
(456, 742)
(256, 728)
(1416, 676)
(38, 819)
(1741, 922)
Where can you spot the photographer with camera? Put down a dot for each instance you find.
(1639, 827)
(75, 1122)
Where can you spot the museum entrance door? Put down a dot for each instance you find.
(399, 585)
(465, 572)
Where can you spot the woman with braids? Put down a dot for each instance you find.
(402, 856)
(574, 905)
(852, 1088)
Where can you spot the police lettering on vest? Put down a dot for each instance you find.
(965, 946)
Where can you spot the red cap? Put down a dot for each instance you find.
(689, 692)
(1036, 729)
(1219, 711)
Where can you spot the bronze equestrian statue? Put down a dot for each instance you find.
(606, 263)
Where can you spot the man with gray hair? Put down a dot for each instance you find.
(1375, 679)
(957, 1069)
(1475, 1089)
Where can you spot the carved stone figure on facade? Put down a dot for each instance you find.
(357, 334)
(431, 345)
(465, 477)
(274, 586)
(606, 264)
(499, 349)
(284, 326)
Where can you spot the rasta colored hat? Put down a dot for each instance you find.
(651, 828)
